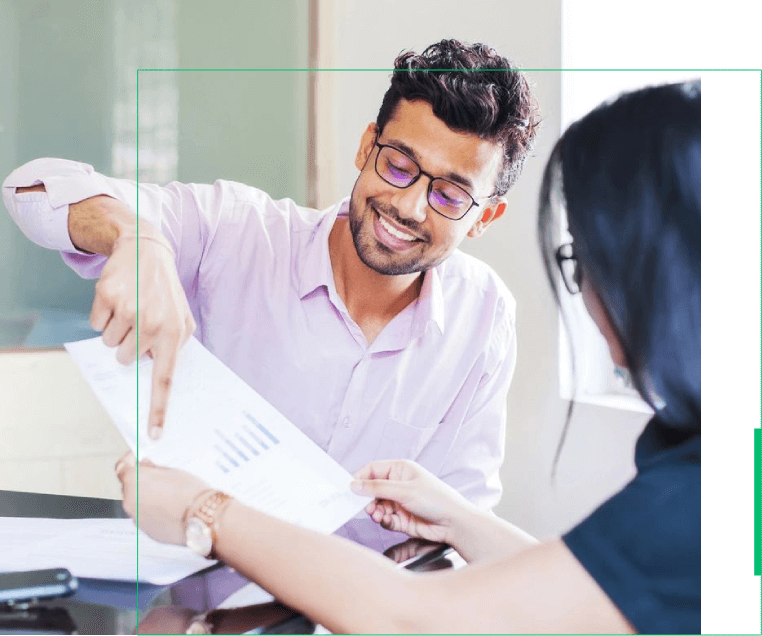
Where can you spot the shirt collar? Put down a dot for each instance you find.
(315, 272)
(430, 304)
(315, 269)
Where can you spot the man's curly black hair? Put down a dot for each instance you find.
(471, 89)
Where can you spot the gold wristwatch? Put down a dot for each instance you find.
(201, 522)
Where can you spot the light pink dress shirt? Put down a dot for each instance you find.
(431, 387)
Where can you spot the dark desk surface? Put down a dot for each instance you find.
(117, 607)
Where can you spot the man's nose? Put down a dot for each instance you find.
(412, 202)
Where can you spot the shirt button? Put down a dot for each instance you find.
(345, 422)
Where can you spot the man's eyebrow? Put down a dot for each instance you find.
(450, 176)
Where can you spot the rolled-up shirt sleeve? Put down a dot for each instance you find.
(187, 214)
(65, 182)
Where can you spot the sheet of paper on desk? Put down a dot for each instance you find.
(94, 548)
(220, 429)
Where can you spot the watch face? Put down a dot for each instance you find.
(198, 536)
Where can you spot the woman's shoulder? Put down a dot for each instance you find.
(664, 444)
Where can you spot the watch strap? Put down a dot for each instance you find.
(208, 507)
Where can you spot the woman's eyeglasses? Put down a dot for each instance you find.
(570, 269)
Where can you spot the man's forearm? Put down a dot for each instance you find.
(96, 223)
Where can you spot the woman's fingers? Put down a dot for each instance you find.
(375, 470)
(382, 489)
(126, 461)
(393, 469)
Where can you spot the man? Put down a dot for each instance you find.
(362, 324)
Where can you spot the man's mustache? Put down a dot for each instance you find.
(391, 213)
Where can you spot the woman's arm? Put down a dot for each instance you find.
(341, 585)
(351, 589)
(542, 589)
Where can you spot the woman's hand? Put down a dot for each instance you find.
(161, 499)
(409, 499)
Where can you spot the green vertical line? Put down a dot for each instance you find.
(758, 431)
(137, 330)
(757, 501)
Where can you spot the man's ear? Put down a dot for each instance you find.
(367, 141)
(495, 210)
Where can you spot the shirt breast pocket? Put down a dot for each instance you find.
(400, 440)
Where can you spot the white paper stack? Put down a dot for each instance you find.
(93, 548)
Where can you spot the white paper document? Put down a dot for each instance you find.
(93, 548)
(225, 433)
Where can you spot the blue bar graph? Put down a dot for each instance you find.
(268, 433)
(235, 448)
(222, 452)
(254, 421)
(255, 437)
(246, 443)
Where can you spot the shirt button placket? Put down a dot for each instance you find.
(343, 435)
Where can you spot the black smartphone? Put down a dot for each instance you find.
(20, 587)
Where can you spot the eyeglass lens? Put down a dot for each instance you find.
(570, 269)
(399, 170)
(569, 272)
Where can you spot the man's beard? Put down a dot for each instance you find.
(374, 254)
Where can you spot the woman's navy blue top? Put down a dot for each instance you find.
(643, 546)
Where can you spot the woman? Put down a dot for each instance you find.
(628, 175)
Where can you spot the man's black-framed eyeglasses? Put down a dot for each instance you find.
(400, 171)
(571, 272)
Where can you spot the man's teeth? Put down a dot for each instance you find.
(394, 231)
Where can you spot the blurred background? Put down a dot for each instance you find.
(71, 88)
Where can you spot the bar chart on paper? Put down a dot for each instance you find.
(250, 441)
(221, 430)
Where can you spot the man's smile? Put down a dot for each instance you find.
(391, 234)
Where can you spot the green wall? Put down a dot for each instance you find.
(248, 126)
(60, 69)
(57, 68)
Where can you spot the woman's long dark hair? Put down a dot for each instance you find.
(629, 176)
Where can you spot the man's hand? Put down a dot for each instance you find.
(139, 305)
(141, 308)
(409, 499)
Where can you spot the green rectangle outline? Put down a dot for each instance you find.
(757, 432)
